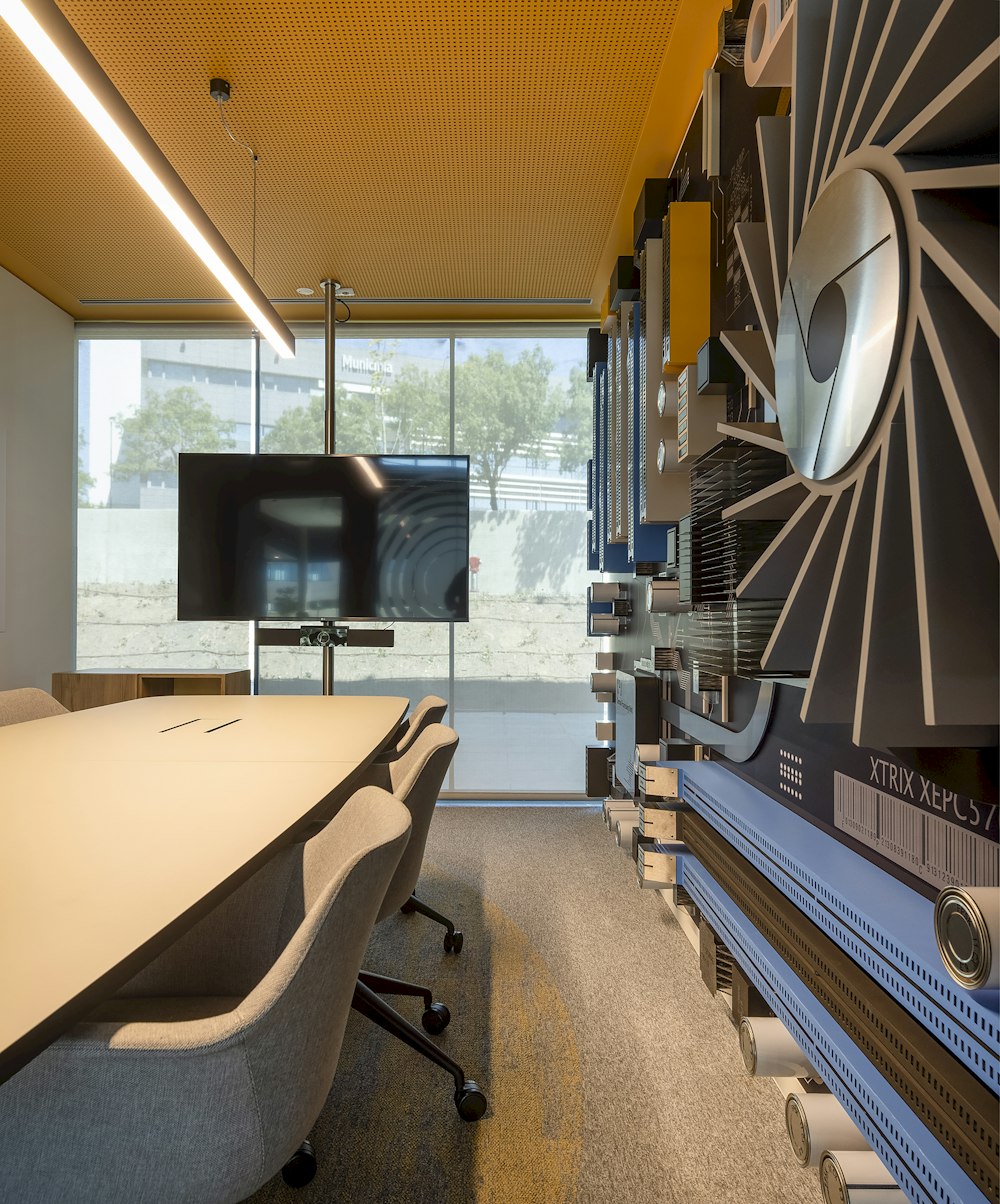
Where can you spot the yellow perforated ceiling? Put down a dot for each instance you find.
(460, 149)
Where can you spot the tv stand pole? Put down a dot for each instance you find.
(329, 633)
(329, 426)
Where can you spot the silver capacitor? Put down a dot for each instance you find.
(857, 1177)
(602, 682)
(662, 596)
(662, 399)
(817, 1123)
(967, 929)
(606, 591)
(770, 1050)
(608, 624)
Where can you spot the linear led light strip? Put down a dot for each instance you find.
(47, 34)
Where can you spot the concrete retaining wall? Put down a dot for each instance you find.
(527, 610)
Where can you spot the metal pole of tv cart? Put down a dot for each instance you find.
(329, 425)
(330, 631)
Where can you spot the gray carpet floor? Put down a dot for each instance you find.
(670, 1114)
(613, 1074)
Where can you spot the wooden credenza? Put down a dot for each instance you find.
(97, 687)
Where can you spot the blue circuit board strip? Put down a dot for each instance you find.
(920, 1165)
(887, 927)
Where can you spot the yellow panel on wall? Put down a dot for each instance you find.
(688, 228)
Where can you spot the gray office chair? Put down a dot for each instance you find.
(390, 770)
(419, 785)
(428, 710)
(400, 775)
(200, 1079)
(418, 777)
(18, 706)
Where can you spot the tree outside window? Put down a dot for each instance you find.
(165, 425)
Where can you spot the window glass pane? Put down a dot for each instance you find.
(291, 398)
(522, 706)
(393, 395)
(141, 402)
(393, 398)
(292, 402)
(519, 695)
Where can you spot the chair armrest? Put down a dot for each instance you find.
(152, 1026)
(229, 950)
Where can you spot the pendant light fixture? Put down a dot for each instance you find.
(50, 38)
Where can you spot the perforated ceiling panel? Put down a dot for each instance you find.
(415, 149)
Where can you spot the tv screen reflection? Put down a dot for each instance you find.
(314, 537)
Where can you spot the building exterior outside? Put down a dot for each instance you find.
(522, 661)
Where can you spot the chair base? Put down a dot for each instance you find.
(436, 1015)
(469, 1098)
(452, 938)
(394, 986)
(301, 1167)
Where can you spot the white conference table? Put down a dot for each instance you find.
(122, 825)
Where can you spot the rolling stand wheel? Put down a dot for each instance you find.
(300, 1168)
(435, 1018)
(470, 1101)
(453, 942)
(408, 908)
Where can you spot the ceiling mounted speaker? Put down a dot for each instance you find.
(597, 351)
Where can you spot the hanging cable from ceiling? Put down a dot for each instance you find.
(220, 92)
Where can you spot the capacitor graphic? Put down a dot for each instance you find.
(817, 1123)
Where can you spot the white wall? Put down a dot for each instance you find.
(37, 487)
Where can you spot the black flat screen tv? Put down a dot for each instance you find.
(323, 537)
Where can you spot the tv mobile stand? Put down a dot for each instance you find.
(325, 635)
(333, 635)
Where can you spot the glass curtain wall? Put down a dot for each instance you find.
(522, 663)
(517, 403)
(140, 402)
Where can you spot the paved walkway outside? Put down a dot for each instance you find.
(521, 751)
(517, 737)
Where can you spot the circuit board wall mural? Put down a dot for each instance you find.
(801, 573)
(835, 518)
(875, 278)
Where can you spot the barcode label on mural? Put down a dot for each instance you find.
(935, 850)
(959, 857)
(856, 808)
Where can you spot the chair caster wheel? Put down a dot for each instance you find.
(300, 1168)
(435, 1019)
(408, 907)
(453, 942)
(470, 1101)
